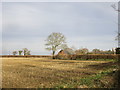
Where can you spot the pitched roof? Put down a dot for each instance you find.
(68, 51)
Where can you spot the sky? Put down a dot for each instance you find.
(84, 24)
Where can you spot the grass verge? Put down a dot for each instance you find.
(95, 81)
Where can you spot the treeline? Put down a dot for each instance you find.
(94, 51)
(85, 54)
(24, 51)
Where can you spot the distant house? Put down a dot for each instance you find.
(67, 51)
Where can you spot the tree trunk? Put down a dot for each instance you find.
(24, 52)
(53, 54)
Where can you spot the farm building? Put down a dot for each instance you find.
(65, 54)
(67, 51)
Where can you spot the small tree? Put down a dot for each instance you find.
(14, 52)
(96, 51)
(25, 50)
(20, 52)
(54, 42)
(28, 53)
(82, 51)
(85, 50)
(69, 51)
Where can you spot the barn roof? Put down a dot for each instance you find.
(68, 51)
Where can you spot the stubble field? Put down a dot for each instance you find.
(48, 73)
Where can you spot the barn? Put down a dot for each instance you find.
(65, 54)
(67, 51)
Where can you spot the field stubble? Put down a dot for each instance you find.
(47, 73)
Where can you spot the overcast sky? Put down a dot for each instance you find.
(84, 24)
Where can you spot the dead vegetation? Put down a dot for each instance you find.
(48, 73)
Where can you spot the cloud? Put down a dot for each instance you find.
(0, 28)
(92, 42)
(29, 24)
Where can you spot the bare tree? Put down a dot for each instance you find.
(69, 51)
(96, 51)
(54, 42)
(26, 51)
(115, 8)
(118, 10)
(14, 52)
(20, 52)
(82, 51)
